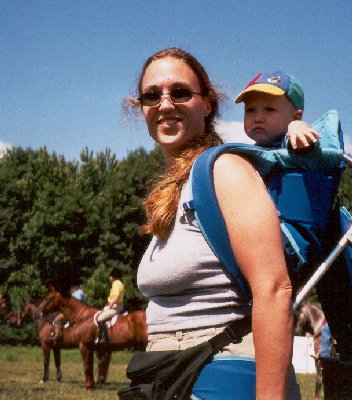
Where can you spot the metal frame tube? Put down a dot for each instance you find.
(318, 274)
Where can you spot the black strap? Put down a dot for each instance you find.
(233, 333)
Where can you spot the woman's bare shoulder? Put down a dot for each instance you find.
(232, 168)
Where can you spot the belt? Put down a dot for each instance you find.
(233, 333)
(234, 330)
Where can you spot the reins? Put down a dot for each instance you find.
(82, 319)
(48, 317)
(78, 319)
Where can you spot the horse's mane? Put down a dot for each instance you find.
(310, 318)
(84, 311)
(34, 301)
(5, 297)
(316, 312)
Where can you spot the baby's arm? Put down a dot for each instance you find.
(301, 135)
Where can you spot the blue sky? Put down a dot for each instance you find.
(67, 65)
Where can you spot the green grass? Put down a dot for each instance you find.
(22, 368)
(307, 385)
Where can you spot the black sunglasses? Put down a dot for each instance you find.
(178, 95)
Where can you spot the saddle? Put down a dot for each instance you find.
(110, 323)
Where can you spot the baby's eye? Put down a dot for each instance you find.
(249, 110)
(270, 109)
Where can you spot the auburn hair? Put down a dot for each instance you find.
(162, 202)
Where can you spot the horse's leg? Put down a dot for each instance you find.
(57, 357)
(46, 357)
(88, 364)
(316, 348)
(318, 380)
(316, 389)
(103, 365)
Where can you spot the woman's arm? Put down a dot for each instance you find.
(254, 231)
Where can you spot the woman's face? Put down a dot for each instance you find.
(170, 124)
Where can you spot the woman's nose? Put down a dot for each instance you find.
(166, 103)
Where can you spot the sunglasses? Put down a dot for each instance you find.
(178, 95)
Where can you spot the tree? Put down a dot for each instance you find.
(345, 189)
(64, 220)
(23, 175)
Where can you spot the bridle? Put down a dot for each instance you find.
(48, 300)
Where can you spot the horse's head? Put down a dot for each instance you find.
(13, 319)
(28, 312)
(303, 323)
(25, 313)
(309, 319)
(4, 305)
(50, 303)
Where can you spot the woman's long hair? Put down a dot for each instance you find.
(162, 202)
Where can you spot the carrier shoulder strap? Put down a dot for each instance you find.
(326, 157)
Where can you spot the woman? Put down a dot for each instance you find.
(190, 296)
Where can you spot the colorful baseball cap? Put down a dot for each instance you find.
(276, 83)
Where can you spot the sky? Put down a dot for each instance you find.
(66, 66)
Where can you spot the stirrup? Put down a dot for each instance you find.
(100, 340)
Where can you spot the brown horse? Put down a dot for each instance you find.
(129, 331)
(6, 315)
(45, 328)
(3, 305)
(311, 320)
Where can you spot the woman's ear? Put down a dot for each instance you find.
(207, 106)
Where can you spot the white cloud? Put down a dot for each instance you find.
(232, 131)
(4, 147)
(348, 143)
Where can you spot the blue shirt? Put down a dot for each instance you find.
(325, 345)
(79, 295)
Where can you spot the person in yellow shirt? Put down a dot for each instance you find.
(114, 306)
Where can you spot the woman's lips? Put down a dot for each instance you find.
(170, 121)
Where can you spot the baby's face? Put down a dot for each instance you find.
(266, 117)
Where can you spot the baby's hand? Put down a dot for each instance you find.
(301, 135)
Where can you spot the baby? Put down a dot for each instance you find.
(274, 103)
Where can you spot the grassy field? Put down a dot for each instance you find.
(22, 368)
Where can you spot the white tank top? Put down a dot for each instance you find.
(185, 284)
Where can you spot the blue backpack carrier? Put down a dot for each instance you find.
(304, 188)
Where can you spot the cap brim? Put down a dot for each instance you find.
(260, 87)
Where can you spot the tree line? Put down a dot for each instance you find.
(77, 220)
(72, 221)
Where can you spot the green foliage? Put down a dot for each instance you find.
(71, 221)
(345, 189)
(26, 335)
(24, 284)
(133, 300)
(97, 287)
